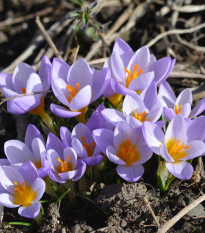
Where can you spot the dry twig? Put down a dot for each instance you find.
(151, 211)
(164, 228)
(48, 38)
(175, 31)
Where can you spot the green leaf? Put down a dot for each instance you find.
(78, 2)
(20, 223)
(90, 31)
(62, 196)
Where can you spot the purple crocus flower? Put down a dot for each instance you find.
(85, 146)
(125, 147)
(76, 86)
(25, 80)
(22, 188)
(134, 71)
(97, 121)
(137, 108)
(175, 147)
(178, 105)
(63, 161)
(32, 150)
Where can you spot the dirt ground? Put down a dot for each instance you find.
(169, 28)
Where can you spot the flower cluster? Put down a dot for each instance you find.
(144, 117)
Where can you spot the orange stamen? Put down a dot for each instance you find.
(128, 152)
(177, 109)
(23, 90)
(88, 147)
(23, 194)
(73, 91)
(176, 149)
(140, 116)
(64, 166)
(133, 75)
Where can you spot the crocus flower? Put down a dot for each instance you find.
(125, 147)
(22, 188)
(137, 108)
(85, 146)
(134, 71)
(32, 150)
(178, 105)
(25, 80)
(76, 86)
(64, 162)
(175, 147)
(97, 121)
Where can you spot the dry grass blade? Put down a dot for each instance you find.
(48, 38)
(164, 228)
(189, 8)
(175, 31)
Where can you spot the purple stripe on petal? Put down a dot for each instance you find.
(130, 173)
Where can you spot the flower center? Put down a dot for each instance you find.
(88, 147)
(131, 76)
(73, 91)
(176, 149)
(177, 109)
(128, 152)
(64, 166)
(23, 194)
(140, 116)
(38, 164)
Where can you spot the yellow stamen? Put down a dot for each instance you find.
(177, 109)
(128, 152)
(64, 166)
(23, 194)
(133, 75)
(88, 147)
(140, 116)
(176, 149)
(73, 91)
